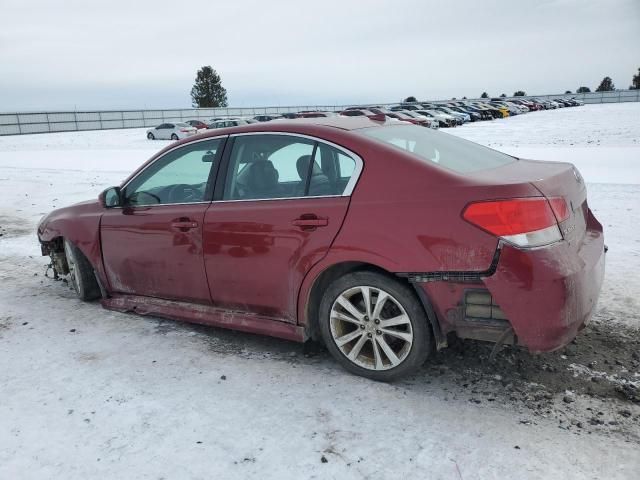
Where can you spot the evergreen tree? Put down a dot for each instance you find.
(606, 85)
(635, 83)
(207, 91)
(484, 95)
(411, 99)
(567, 91)
(502, 95)
(583, 90)
(519, 93)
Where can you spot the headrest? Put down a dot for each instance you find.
(262, 176)
(303, 166)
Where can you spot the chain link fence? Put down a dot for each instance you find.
(44, 122)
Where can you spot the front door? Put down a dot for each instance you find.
(284, 201)
(152, 246)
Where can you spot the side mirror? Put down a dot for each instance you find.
(110, 198)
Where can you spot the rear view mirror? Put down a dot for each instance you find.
(209, 157)
(111, 198)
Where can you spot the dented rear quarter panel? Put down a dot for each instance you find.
(550, 293)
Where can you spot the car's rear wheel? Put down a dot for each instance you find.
(374, 326)
(150, 136)
(174, 136)
(81, 275)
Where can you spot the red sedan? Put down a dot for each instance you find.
(378, 238)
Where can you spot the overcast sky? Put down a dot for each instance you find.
(132, 54)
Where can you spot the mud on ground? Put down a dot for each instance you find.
(590, 386)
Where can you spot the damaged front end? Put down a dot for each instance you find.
(55, 251)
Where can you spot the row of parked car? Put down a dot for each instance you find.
(431, 115)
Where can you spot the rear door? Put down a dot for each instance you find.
(281, 200)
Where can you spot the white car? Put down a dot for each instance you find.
(171, 131)
(432, 122)
(444, 119)
(228, 123)
(465, 116)
(521, 108)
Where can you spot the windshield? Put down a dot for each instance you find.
(445, 150)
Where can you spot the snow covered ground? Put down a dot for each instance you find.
(88, 393)
(601, 140)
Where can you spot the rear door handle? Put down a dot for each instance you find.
(310, 221)
(184, 224)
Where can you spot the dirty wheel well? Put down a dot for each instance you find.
(325, 279)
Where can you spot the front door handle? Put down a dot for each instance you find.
(310, 221)
(184, 224)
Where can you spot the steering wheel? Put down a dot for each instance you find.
(182, 193)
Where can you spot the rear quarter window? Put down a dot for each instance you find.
(442, 149)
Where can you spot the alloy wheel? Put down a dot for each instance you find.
(371, 328)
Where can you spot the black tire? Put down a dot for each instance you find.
(174, 136)
(414, 356)
(150, 136)
(81, 274)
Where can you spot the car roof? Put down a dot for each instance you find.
(300, 125)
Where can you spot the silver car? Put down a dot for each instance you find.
(171, 131)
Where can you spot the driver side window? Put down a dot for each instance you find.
(180, 176)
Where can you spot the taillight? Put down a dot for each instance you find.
(184, 130)
(525, 222)
(560, 208)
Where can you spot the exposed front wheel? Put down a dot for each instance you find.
(81, 273)
(150, 136)
(374, 326)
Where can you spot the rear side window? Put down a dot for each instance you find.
(447, 151)
(267, 167)
(286, 166)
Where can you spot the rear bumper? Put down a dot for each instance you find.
(549, 294)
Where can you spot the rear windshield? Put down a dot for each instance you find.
(450, 152)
